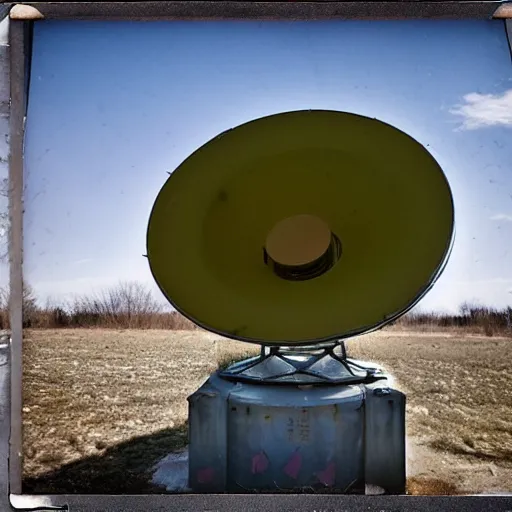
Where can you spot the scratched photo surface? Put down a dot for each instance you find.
(114, 107)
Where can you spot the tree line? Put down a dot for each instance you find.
(127, 305)
(131, 305)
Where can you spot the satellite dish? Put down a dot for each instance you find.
(296, 231)
(301, 227)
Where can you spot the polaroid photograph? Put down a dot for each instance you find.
(265, 257)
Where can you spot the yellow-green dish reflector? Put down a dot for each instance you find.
(301, 227)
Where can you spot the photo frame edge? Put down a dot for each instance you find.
(17, 44)
(230, 10)
(11, 435)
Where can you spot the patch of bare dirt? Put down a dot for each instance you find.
(101, 407)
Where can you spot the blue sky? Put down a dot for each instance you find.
(114, 106)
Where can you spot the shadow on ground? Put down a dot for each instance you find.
(121, 469)
(126, 468)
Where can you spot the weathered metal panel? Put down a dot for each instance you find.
(385, 438)
(290, 438)
(208, 435)
(246, 437)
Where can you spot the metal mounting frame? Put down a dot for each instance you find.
(300, 363)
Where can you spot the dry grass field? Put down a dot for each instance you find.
(101, 406)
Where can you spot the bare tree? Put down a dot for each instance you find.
(127, 298)
(29, 305)
(127, 303)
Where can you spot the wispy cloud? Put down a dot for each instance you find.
(502, 216)
(482, 110)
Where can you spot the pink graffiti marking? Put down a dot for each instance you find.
(205, 475)
(259, 463)
(328, 475)
(293, 465)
